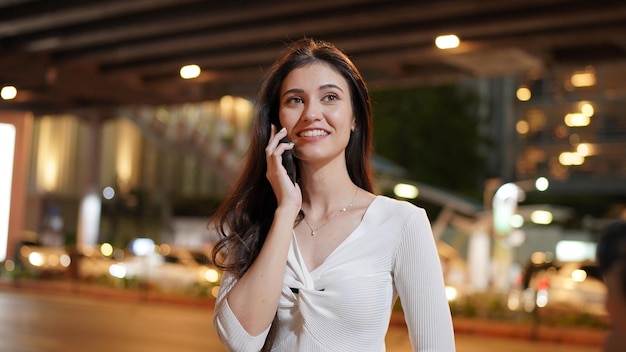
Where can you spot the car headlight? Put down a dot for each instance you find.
(117, 270)
(65, 260)
(542, 298)
(35, 258)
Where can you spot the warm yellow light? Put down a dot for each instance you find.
(523, 94)
(538, 258)
(448, 41)
(583, 149)
(541, 217)
(243, 112)
(48, 156)
(583, 79)
(8, 92)
(190, 71)
(404, 190)
(569, 158)
(106, 249)
(587, 109)
(212, 275)
(56, 148)
(36, 259)
(236, 110)
(542, 184)
(227, 107)
(127, 155)
(451, 293)
(522, 127)
(50, 175)
(577, 120)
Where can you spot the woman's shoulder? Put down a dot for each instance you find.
(394, 206)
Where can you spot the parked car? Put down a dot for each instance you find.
(94, 265)
(172, 270)
(42, 260)
(572, 286)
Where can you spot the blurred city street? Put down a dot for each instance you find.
(51, 322)
(132, 168)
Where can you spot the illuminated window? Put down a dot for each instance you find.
(7, 151)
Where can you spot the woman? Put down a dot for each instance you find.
(317, 264)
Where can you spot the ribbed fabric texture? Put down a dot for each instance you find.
(345, 304)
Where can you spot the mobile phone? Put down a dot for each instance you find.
(288, 162)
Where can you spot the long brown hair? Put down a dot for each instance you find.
(244, 218)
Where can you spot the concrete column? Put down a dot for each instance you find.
(88, 229)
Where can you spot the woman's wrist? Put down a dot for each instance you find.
(287, 212)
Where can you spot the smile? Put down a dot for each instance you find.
(313, 133)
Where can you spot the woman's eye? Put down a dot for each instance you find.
(331, 97)
(294, 100)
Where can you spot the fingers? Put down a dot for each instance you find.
(274, 146)
(275, 149)
(284, 189)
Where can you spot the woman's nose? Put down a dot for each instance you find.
(311, 112)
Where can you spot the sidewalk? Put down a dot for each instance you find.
(467, 326)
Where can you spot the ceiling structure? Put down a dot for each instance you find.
(70, 55)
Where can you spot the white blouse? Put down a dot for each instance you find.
(345, 304)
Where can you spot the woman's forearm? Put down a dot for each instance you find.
(254, 298)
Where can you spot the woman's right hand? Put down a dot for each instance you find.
(287, 193)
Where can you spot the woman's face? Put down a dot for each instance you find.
(316, 109)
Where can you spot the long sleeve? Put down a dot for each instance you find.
(419, 281)
(231, 333)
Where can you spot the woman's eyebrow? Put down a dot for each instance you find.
(330, 85)
(322, 87)
(292, 90)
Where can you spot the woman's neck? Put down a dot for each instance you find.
(326, 191)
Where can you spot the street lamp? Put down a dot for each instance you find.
(505, 201)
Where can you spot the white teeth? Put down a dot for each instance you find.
(313, 133)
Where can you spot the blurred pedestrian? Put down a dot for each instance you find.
(611, 255)
(315, 263)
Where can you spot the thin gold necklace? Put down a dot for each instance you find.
(342, 210)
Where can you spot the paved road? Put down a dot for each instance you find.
(56, 323)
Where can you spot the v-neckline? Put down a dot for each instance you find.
(349, 239)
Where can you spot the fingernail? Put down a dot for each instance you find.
(282, 129)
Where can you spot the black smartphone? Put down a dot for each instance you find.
(288, 162)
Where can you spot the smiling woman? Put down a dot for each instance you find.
(318, 264)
